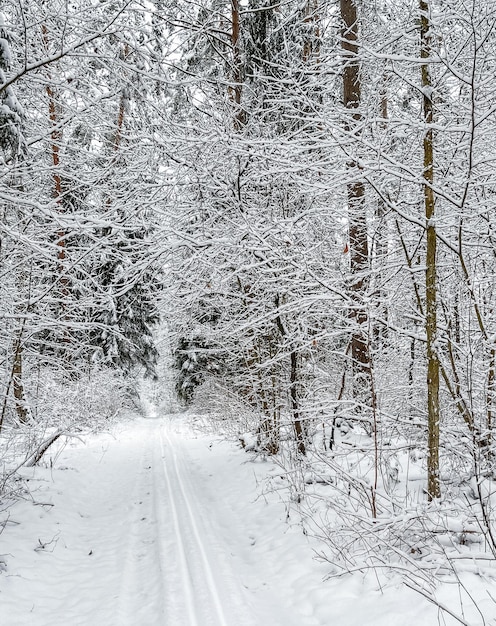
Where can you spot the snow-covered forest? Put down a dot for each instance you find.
(275, 222)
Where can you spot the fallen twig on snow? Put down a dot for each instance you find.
(36, 456)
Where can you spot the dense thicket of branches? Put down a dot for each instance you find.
(332, 275)
(80, 196)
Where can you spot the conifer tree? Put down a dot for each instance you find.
(14, 150)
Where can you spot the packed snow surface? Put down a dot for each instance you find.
(158, 524)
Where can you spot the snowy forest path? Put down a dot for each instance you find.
(149, 526)
(198, 583)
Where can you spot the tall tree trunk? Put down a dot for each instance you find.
(236, 90)
(17, 373)
(300, 431)
(433, 414)
(311, 45)
(299, 428)
(381, 241)
(21, 404)
(358, 245)
(55, 139)
(123, 108)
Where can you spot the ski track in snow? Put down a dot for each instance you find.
(189, 542)
(137, 541)
(158, 525)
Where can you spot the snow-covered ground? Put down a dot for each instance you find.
(157, 524)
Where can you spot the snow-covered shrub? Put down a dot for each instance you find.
(59, 400)
(226, 413)
(60, 404)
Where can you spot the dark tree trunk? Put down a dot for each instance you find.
(433, 484)
(358, 244)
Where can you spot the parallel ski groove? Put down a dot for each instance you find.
(191, 521)
(162, 551)
(131, 542)
(183, 560)
(137, 534)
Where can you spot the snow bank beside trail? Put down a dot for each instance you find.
(64, 549)
(84, 551)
